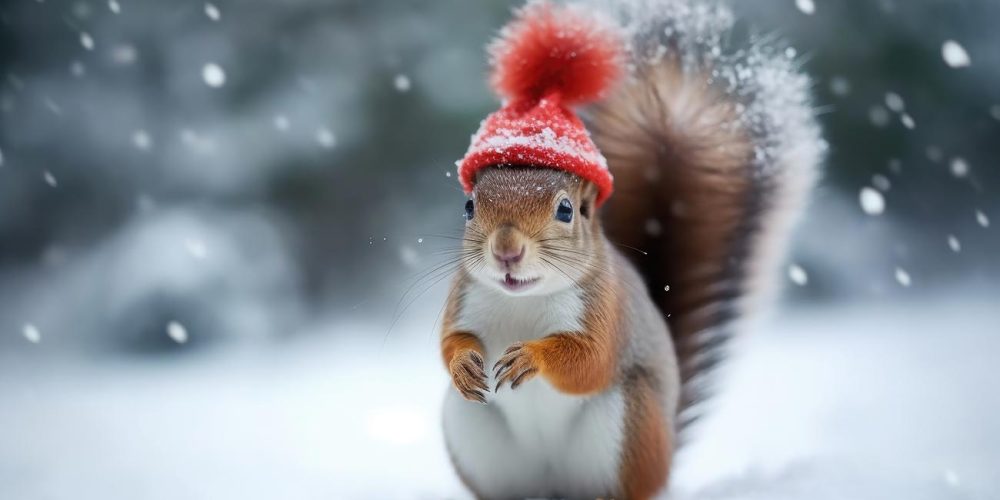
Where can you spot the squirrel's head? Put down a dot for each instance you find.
(530, 230)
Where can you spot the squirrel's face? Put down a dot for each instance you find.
(530, 230)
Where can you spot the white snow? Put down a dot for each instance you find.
(879, 116)
(954, 244)
(114, 7)
(840, 86)
(903, 277)
(142, 140)
(213, 75)
(808, 7)
(77, 69)
(894, 102)
(402, 83)
(212, 12)
(934, 153)
(31, 333)
(907, 121)
(124, 54)
(798, 275)
(87, 41)
(995, 112)
(666, 288)
(872, 202)
(399, 426)
(881, 182)
(982, 219)
(177, 332)
(50, 179)
(959, 167)
(955, 55)
(1, 157)
(326, 138)
(331, 413)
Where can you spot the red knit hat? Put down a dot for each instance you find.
(546, 60)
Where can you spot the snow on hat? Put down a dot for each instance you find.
(545, 61)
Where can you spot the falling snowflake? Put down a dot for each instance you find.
(50, 179)
(808, 7)
(1, 157)
(666, 288)
(87, 41)
(840, 86)
(895, 166)
(213, 75)
(954, 244)
(212, 12)
(934, 154)
(326, 138)
(881, 182)
(420, 240)
(124, 54)
(114, 7)
(447, 174)
(903, 277)
(872, 202)
(879, 116)
(402, 83)
(982, 219)
(77, 69)
(141, 140)
(959, 167)
(281, 123)
(907, 121)
(798, 275)
(409, 256)
(995, 112)
(894, 102)
(177, 332)
(955, 55)
(653, 227)
(31, 333)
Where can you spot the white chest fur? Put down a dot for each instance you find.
(573, 440)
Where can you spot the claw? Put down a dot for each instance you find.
(520, 378)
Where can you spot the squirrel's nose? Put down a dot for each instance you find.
(508, 256)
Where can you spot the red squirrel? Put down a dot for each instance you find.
(575, 360)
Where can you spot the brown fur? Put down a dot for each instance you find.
(463, 356)
(583, 362)
(646, 456)
(680, 160)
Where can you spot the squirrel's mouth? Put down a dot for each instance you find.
(517, 284)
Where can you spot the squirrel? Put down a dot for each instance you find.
(575, 364)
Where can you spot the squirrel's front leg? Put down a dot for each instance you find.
(573, 362)
(463, 356)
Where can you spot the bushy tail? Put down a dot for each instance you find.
(713, 151)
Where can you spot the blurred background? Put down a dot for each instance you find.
(219, 224)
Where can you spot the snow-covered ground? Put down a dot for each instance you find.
(870, 401)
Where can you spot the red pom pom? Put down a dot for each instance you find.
(548, 49)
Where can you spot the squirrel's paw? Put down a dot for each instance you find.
(516, 366)
(469, 376)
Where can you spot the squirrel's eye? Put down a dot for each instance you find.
(564, 212)
(470, 210)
